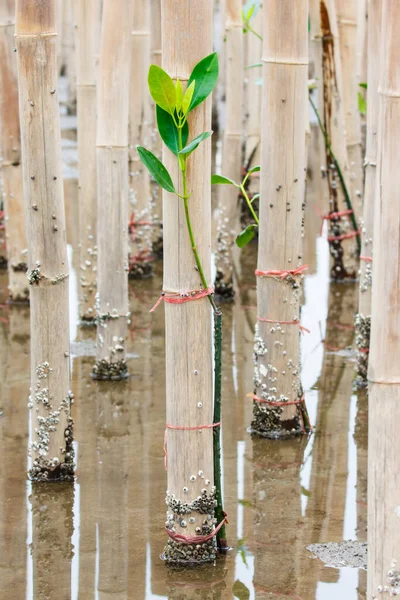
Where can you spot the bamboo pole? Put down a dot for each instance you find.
(140, 209)
(10, 161)
(347, 24)
(228, 205)
(69, 54)
(362, 63)
(155, 49)
(385, 317)
(85, 16)
(363, 319)
(112, 185)
(186, 39)
(283, 165)
(48, 275)
(253, 94)
(344, 250)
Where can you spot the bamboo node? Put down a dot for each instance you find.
(285, 62)
(138, 32)
(36, 35)
(277, 322)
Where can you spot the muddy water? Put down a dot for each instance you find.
(101, 538)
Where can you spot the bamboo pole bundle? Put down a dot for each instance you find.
(141, 230)
(347, 23)
(343, 224)
(228, 205)
(112, 190)
(10, 161)
(48, 275)
(187, 38)
(363, 319)
(52, 549)
(85, 16)
(279, 270)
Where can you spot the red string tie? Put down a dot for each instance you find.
(182, 297)
(345, 236)
(196, 539)
(294, 322)
(366, 258)
(132, 224)
(281, 274)
(183, 428)
(333, 215)
(363, 350)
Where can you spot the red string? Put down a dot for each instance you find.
(196, 539)
(341, 326)
(333, 215)
(132, 223)
(294, 322)
(183, 428)
(281, 274)
(345, 236)
(182, 297)
(273, 402)
(364, 350)
(366, 258)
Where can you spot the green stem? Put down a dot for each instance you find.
(251, 209)
(219, 512)
(339, 172)
(253, 31)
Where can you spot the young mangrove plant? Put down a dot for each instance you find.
(228, 199)
(279, 408)
(48, 272)
(10, 161)
(112, 307)
(363, 318)
(195, 516)
(85, 15)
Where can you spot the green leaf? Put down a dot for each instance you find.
(205, 74)
(188, 97)
(362, 105)
(246, 503)
(169, 132)
(363, 85)
(250, 9)
(195, 143)
(246, 236)
(179, 95)
(162, 89)
(156, 168)
(254, 170)
(222, 179)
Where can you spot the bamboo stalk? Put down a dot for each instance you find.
(48, 275)
(344, 251)
(10, 161)
(69, 54)
(363, 319)
(112, 185)
(186, 39)
(156, 52)
(253, 93)
(140, 209)
(385, 316)
(362, 63)
(228, 205)
(347, 24)
(85, 16)
(283, 165)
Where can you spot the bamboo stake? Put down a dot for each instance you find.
(362, 63)
(344, 251)
(253, 94)
(228, 206)
(283, 165)
(347, 23)
(155, 49)
(68, 53)
(385, 316)
(141, 230)
(112, 185)
(85, 15)
(363, 319)
(186, 39)
(10, 161)
(48, 275)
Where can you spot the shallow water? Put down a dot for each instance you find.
(102, 537)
